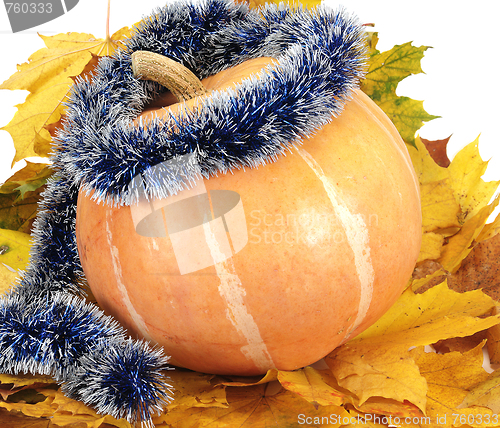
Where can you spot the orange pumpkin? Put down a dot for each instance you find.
(303, 254)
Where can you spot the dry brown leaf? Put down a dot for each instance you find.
(437, 150)
(480, 270)
(16, 420)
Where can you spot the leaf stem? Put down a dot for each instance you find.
(108, 37)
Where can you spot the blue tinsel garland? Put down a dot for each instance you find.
(45, 326)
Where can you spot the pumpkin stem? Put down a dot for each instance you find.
(181, 82)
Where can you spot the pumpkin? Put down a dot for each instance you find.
(268, 267)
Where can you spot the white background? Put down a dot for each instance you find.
(460, 83)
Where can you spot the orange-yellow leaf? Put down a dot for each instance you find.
(25, 380)
(261, 406)
(449, 378)
(38, 410)
(10, 384)
(378, 371)
(18, 420)
(454, 204)
(361, 419)
(270, 376)
(194, 389)
(386, 407)
(68, 411)
(47, 76)
(310, 384)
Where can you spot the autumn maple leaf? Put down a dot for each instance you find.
(383, 371)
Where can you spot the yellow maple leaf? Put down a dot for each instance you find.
(42, 409)
(449, 378)
(455, 204)
(320, 388)
(439, 207)
(489, 230)
(270, 376)
(426, 168)
(258, 406)
(310, 384)
(67, 411)
(367, 420)
(460, 245)
(374, 373)
(14, 256)
(378, 371)
(485, 394)
(195, 390)
(437, 314)
(47, 76)
(377, 364)
(25, 380)
(466, 171)
(376, 406)
(431, 246)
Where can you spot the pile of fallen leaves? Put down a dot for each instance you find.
(421, 364)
